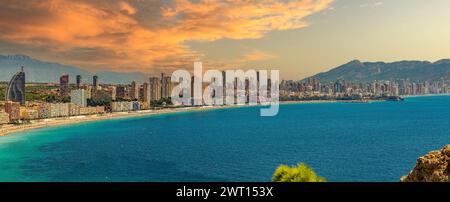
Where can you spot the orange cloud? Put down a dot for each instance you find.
(257, 56)
(137, 35)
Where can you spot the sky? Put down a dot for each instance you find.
(298, 37)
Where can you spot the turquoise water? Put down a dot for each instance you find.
(377, 141)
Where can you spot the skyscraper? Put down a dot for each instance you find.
(166, 86)
(141, 92)
(64, 85)
(79, 81)
(155, 88)
(16, 88)
(120, 92)
(339, 87)
(224, 84)
(161, 80)
(95, 82)
(146, 92)
(113, 90)
(134, 91)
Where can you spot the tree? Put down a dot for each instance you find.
(163, 102)
(50, 98)
(98, 102)
(300, 173)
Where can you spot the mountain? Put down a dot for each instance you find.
(369, 71)
(40, 71)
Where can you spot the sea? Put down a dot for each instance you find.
(343, 142)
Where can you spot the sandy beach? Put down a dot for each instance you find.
(308, 101)
(51, 122)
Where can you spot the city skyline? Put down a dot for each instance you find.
(300, 38)
(51, 101)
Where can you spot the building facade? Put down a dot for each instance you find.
(166, 86)
(59, 110)
(64, 85)
(125, 106)
(155, 88)
(146, 92)
(95, 82)
(15, 91)
(79, 97)
(27, 113)
(4, 117)
(134, 91)
(13, 109)
(79, 78)
(44, 111)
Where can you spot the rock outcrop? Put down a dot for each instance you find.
(433, 167)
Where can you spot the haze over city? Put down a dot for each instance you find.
(300, 38)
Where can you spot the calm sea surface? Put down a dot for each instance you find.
(377, 141)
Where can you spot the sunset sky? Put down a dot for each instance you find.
(298, 37)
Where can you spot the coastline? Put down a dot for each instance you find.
(9, 129)
(427, 95)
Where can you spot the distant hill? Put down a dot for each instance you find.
(369, 71)
(40, 71)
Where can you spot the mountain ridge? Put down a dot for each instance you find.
(414, 70)
(43, 71)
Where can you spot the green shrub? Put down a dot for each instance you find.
(300, 173)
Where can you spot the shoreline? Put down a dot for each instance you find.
(9, 129)
(427, 95)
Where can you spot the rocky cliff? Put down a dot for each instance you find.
(433, 167)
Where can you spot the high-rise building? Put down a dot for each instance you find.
(224, 81)
(141, 92)
(155, 88)
(95, 82)
(79, 97)
(64, 85)
(120, 92)
(169, 86)
(161, 80)
(16, 88)
(339, 87)
(113, 91)
(89, 90)
(146, 92)
(166, 86)
(134, 91)
(79, 81)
